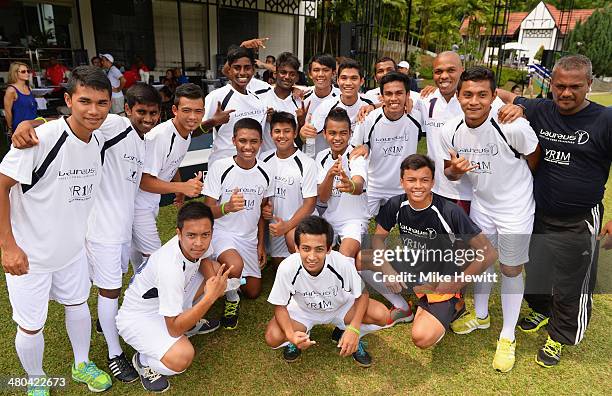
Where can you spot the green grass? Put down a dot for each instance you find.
(239, 362)
(602, 98)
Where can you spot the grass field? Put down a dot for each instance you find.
(238, 361)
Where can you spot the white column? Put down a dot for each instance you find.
(89, 40)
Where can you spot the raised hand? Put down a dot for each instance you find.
(221, 116)
(217, 284)
(336, 168)
(301, 113)
(279, 227)
(236, 202)
(255, 43)
(459, 165)
(193, 187)
(24, 136)
(346, 185)
(308, 130)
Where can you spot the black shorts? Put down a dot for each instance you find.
(444, 311)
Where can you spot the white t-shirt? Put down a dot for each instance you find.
(373, 95)
(289, 104)
(57, 181)
(389, 143)
(245, 106)
(311, 98)
(123, 154)
(258, 86)
(319, 116)
(165, 149)
(436, 111)
(295, 178)
(255, 184)
(337, 284)
(344, 206)
(114, 75)
(158, 287)
(503, 184)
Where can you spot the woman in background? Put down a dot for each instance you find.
(19, 102)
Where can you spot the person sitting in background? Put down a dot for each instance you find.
(179, 76)
(167, 102)
(169, 81)
(96, 61)
(19, 102)
(55, 73)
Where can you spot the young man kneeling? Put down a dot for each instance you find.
(319, 286)
(168, 298)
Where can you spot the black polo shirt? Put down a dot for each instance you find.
(576, 156)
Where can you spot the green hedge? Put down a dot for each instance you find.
(513, 75)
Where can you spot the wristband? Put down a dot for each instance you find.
(41, 119)
(354, 330)
(354, 186)
(223, 209)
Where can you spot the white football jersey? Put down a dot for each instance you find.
(337, 284)
(57, 181)
(319, 116)
(122, 155)
(343, 206)
(255, 184)
(294, 178)
(311, 98)
(246, 105)
(389, 143)
(158, 287)
(165, 149)
(502, 183)
(289, 104)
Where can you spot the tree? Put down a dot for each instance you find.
(538, 55)
(593, 39)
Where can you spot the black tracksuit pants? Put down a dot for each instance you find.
(562, 271)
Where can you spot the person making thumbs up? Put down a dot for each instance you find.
(341, 183)
(236, 189)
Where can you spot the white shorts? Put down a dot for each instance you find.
(311, 319)
(145, 237)
(511, 239)
(29, 294)
(374, 204)
(354, 229)
(107, 263)
(278, 247)
(246, 248)
(148, 334)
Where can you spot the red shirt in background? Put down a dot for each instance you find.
(55, 74)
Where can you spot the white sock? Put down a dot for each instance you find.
(78, 326)
(482, 290)
(396, 299)
(232, 296)
(30, 349)
(368, 328)
(135, 259)
(156, 365)
(512, 296)
(107, 311)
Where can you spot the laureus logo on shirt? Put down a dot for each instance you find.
(255, 190)
(76, 173)
(428, 233)
(576, 137)
(288, 180)
(435, 124)
(490, 149)
(133, 159)
(249, 113)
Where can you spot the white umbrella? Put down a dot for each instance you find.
(515, 45)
